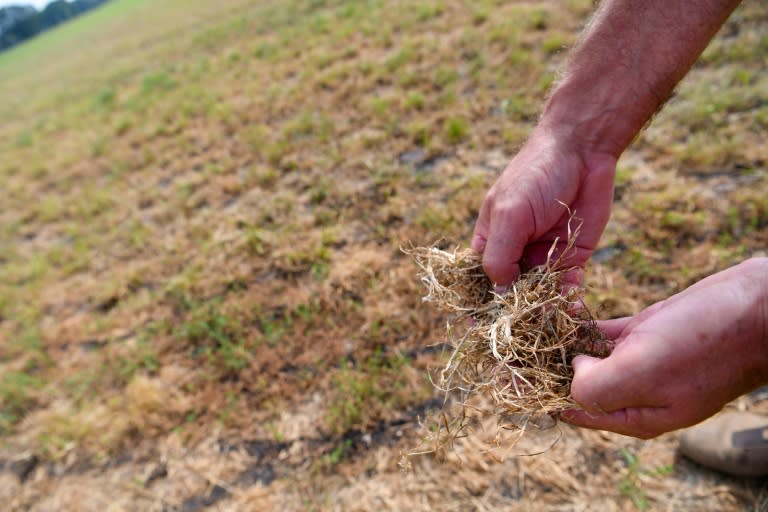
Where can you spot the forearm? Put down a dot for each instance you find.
(628, 61)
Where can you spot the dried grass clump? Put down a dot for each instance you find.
(513, 348)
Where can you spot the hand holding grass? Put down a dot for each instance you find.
(681, 360)
(525, 211)
(628, 61)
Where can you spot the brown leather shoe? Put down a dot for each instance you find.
(732, 442)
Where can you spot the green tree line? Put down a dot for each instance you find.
(18, 23)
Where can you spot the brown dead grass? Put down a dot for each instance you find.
(511, 352)
(254, 203)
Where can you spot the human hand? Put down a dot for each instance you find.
(681, 360)
(528, 207)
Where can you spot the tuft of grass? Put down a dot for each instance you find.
(159, 81)
(144, 358)
(538, 19)
(555, 42)
(456, 130)
(25, 140)
(336, 455)
(366, 391)
(17, 396)
(519, 108)
(105, 99)
(420, 132)
(480, 15)
(444, 76)
(400, 58)
(435, 219)
(630, 484)
(428, 11)
(415, 101)
(216, 337)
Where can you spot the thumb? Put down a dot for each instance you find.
(586, 393)
(605, 400)
(593, 386)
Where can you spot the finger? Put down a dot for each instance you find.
(511, 227)
(595, 200)
(572, 278)
(582, 388)
(541, 252)
(480, 235)
(614, 327)
(499, 271)
(640, 422)
(538, 253)
(606, 385)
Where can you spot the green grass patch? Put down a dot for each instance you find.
(17, 392)
(456, 130)
(213, 336)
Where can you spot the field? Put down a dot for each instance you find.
(203, 299)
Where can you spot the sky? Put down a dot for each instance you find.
(39, 4)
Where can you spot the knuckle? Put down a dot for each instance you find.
(504, 208)
(491, 196)
(640, 423)
(757, 264)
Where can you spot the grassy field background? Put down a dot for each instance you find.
(203, 302)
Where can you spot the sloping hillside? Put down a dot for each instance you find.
(203, 302)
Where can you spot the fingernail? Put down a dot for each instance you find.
(500, 290)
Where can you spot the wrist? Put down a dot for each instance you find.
(597, 117)
(563, 140)
(757, 277)
(761, 309)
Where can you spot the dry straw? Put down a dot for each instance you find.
(512, 350)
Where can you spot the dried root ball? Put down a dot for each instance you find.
(515, 348)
